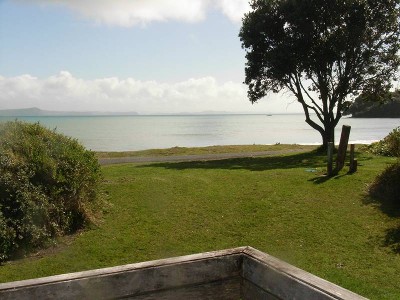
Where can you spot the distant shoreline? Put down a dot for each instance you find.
(37, 112)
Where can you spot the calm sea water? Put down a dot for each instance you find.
(123, 133)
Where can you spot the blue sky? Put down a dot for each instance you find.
(149, 56)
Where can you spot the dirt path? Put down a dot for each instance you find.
(179, 158)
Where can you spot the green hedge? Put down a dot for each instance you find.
(389, 146)
(48, 186)
(386, 187)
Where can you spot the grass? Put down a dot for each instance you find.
(280, 205)
(206, 150)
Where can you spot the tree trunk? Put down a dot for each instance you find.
(328, 135)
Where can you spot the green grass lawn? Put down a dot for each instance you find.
(278, 205)
(206, 150)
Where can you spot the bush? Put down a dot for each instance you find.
(386, 186)
(389, 146)
(48, 186)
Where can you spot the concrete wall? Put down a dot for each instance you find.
(265, 275)
(228, 274)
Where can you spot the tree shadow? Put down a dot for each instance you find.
(392, 239)
(389, 208)
(324, 178)
(308, 159)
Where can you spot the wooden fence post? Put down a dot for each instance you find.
(330, 158)
(341, 155)
(353, 161)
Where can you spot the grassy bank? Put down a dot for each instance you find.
(280, 205)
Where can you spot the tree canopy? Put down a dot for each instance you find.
(325, 52)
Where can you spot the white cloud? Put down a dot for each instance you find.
(64, 92)
(234, 9)
(128, 13)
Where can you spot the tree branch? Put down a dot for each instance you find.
(300, 98)
(312, 100)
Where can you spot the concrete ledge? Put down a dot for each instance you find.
(285, 281)
(228, 274)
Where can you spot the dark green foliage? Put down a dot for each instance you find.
(389, 146)
(386, 187)
(323, 51)
(47, 186)
(385, 107)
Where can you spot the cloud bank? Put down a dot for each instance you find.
(64, 92)
(128, 13)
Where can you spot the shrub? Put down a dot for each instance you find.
(386, 187)
(389, 146)
(48, 186)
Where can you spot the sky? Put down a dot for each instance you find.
(146, 56)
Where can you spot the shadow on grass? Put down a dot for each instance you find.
(306, 160)
(323, 178)
(392, 239)
(387, 207)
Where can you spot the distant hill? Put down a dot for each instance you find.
(363, 108)
(36, 112)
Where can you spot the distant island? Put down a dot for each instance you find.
(364, 108)
(37, 112)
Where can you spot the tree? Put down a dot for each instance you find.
(325, 52)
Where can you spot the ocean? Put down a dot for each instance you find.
(130, 133)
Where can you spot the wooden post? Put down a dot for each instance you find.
(353, 161)
(344, 140)
(353, 166)
(352, 147)
(330, 158)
